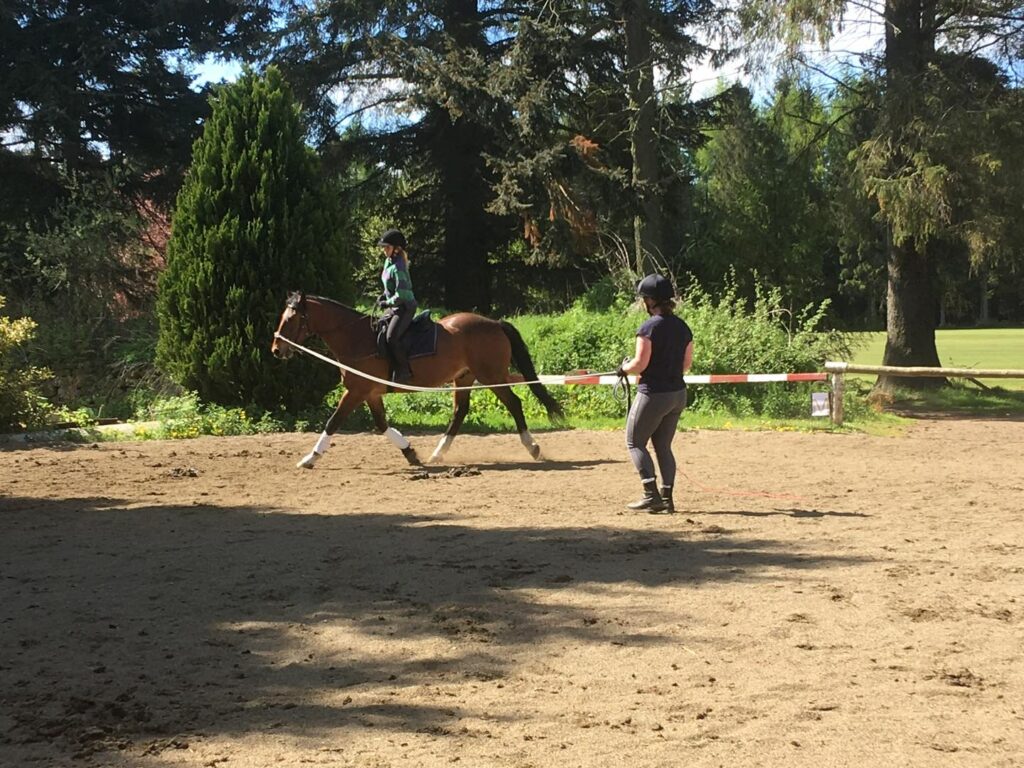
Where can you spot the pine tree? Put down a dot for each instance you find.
(107, 82)
(254, 219)
(761, 197)
(485, 100)
(423, 69)
(934, 98)
(603, 124)
(100, 89)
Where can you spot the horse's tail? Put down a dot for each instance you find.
(521, 357)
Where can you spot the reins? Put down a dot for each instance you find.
(623, 390)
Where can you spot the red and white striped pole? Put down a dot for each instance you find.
(588, 378)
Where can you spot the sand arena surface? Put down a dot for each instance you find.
(204, 603)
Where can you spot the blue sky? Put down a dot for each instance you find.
(215, 71)
(861, 32)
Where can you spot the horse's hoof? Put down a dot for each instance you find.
(308, 461)
(535, 451)
(411, 457)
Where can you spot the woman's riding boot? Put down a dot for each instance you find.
(666, 496)
(402, 372)
(652, 501)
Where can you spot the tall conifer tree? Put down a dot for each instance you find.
(90, 90)
(935, 97)
(253, 220)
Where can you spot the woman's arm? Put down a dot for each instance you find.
(640, 359)
(688, 358)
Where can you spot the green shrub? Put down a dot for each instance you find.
(254, 219)
(765, 336)
(185, 416)
(731, 336)
(21, 404)
(87, 278)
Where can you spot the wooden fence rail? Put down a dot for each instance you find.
(837, 370)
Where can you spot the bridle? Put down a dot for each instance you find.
(298, 305)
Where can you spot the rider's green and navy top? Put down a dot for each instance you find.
(397, 284)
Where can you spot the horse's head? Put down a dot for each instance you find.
(293, 326)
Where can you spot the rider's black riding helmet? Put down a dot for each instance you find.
(393, 237)
(655, 287)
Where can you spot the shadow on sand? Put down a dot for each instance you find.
(219, 619)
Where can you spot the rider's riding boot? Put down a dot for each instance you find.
(666, 496)
(652, 501)
(402, 372)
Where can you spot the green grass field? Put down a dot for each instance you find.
(973, 348)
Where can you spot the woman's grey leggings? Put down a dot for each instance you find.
(654, 418)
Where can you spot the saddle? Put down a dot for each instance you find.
(420, 340)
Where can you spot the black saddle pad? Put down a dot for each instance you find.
(419, 341)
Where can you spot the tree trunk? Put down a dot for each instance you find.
(910, 303)
(459, 146)
(984, 314)
(468, 228)
(910, 318)
(648, 226)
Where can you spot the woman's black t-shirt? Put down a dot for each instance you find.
(670, 336)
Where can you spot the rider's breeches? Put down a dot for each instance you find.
(653, 418)
(401, 317)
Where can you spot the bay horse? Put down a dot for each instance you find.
(469, 347)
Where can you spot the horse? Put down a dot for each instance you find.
(469, 348)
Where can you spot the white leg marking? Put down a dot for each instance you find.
(397, 438)
(531, 445)
(442, 448)
(310, 459)
(323, 443)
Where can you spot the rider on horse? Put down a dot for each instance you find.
(397, 300)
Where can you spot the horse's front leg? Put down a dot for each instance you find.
(348, 403)
(380, 420)
(461, 403)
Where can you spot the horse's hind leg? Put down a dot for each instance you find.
(376, 405)
(515, 407)
(348, 403)
(461, 402)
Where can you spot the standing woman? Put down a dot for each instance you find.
(397, 300)
(664, 352)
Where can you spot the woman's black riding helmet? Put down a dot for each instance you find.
(655, 287)
(393, 237)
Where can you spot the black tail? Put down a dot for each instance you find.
(521, 357)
